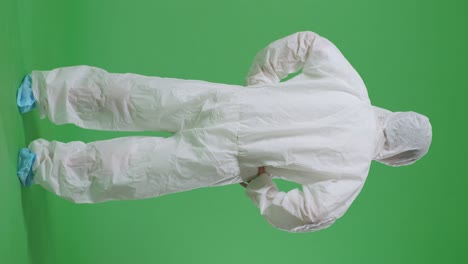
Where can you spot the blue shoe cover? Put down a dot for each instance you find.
(25, 98)
(26, 160)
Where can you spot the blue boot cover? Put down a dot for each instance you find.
(26, 160)
(25, 98)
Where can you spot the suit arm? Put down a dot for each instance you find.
(306, 50)
(318, 206)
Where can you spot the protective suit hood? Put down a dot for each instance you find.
(405, 137)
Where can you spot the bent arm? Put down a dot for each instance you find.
(306, 50)
(280, 58)
(318, 206)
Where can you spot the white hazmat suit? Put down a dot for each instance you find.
(318, 129)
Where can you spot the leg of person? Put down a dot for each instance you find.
(132, 167)
(92, 98)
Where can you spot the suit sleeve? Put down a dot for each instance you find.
(318, 206)
(314, 54)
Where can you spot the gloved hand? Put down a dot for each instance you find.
(261, 170)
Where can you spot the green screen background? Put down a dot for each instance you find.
(411, 55)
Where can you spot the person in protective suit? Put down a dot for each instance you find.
(318, 129)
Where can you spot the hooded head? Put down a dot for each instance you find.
(406, 137)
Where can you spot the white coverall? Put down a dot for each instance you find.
(318, 129)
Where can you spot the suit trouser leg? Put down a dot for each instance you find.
(92, 98)
(133, 167)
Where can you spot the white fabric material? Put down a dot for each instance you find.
(318, 129)
(408, 136)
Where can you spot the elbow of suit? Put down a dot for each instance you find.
(290, 222)
(311, 227)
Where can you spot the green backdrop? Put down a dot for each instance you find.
(411, 54)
